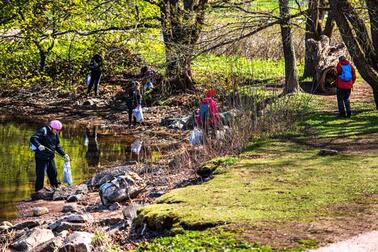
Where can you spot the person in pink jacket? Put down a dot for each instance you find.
(207, 114)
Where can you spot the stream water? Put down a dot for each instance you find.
(89, 150)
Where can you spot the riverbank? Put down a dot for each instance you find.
(170, 167)
(288, 192)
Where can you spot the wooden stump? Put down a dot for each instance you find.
(325, 57)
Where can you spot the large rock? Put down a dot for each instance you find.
(107, 175)
(42, 194)
(70, 208)
(28, 224)
(78, 242)
(121, 188)
(32, 239)
(73, 222)
(51, 245)
(70, 194)
(38, 211)
(186, 122)
(61, 194)
(65, 226)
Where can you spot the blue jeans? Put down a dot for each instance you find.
(343, 102)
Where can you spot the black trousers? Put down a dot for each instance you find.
(131, 116)
(95, 80)
(343, 102)
(41, 165)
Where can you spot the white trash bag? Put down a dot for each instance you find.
(88, 79)
(137, 112)
(67, 175)
(136, 146)
(196, 137)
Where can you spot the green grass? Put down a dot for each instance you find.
(208, 240)
(277, 181)
(237, 66)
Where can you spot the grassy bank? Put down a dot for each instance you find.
(279, 193)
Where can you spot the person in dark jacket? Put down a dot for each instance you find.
(134, 99)
(45, 142)
(95, 66)
(346, 76)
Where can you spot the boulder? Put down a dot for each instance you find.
(28, 224)
(65, 226)
(121, 188)
(106, 176)
(81, 189)
(78, 242)
(61, 194)
(32, 239)
(42, 194)
(51, 245)
(70, 208)
(38, 211)
(75, 198)
(72, 222)
(183, 123)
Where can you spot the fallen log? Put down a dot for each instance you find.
(325, 58)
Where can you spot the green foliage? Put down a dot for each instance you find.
(209, 240)
(54, 40)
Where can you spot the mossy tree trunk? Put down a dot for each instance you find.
(182, 23)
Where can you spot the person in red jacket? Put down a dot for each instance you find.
(346, 76)
(207, 115)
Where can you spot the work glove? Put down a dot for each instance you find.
(41, 148)
(66, 158)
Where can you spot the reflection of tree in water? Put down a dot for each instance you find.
(93, 151)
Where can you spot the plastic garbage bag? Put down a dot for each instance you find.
(137, 112)
(88, 79)
(196, 137)
(136, 146)
(67, 175)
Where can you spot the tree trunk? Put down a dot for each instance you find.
(362, 51)
(314, 31)
(181, 24)
(291, 79)
(325, 59)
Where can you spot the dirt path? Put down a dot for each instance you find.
(366, 242)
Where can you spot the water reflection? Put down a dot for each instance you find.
(93, 151)
(17, 165)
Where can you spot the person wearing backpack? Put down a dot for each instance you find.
(346, 76)
(44, 143)
(95, 67)
(207, 114)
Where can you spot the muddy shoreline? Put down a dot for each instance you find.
(109, 114)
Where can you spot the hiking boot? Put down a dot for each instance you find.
(349, 115)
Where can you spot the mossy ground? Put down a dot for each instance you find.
(279, 192)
